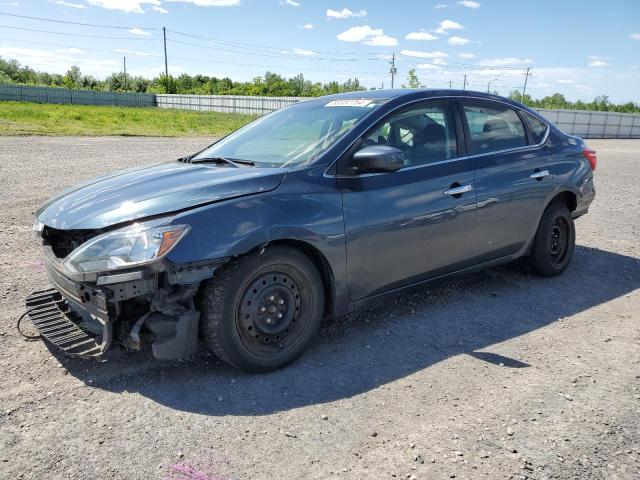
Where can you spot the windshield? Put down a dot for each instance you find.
(291, 136)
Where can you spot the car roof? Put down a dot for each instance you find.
(417, 93)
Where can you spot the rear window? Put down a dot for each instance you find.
(493, 128)
(537, 127)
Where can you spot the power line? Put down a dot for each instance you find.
(139, 54)
(253, 46)
(269, 67)
(68, 22)
(106, 37)
(287, 56)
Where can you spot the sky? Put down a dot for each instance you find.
(580, 48)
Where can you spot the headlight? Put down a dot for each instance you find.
(38, 226)
(128, 247)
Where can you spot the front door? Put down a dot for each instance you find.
(415, 223)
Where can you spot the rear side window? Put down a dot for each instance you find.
(493, 128)
(537, 127)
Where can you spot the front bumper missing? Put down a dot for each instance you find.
(62, 326)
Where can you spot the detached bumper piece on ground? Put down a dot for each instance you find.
(60, 325)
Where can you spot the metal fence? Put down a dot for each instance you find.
(588, 124)
(225, 103)
(583, 123)
(28, 93)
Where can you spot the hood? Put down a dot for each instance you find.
(143, 192)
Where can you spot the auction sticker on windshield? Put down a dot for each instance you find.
(348, 103)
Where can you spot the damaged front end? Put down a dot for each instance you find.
(117, 286)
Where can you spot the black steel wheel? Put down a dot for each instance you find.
(259, 313)
(554, 242)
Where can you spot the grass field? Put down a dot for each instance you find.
(22, 118)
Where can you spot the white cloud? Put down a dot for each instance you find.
(291, 3)
(302, 51)
(139, 31)
(382, 41)
(597, 64)
(439, 6)
(421, 35)
(208, 3)
(72, 50)
(136, 6)
(428, 66)
(418, 54)
(469, 4)
(368, 36)
(505, 62)
(458, 41)
(69, 4)
(307, 26)
(345, 13)
(131, 6)
(158, 9)
(136, 53)
(635, 36)
(566, 81)
(446, 25)
(57, 62)
(596, 61)
(466, 55)
(358, 34)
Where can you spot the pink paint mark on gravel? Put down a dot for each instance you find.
(185, 471)
(38, 265)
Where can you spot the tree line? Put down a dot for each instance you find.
(271, 84)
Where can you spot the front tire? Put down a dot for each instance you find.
(554, 242)
(260, 312)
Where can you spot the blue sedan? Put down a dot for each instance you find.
(308, 212)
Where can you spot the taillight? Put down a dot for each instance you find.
(591, 156)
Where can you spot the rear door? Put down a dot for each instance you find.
(408, 225)
(512, 176)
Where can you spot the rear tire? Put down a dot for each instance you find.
(554, 242)
(260, 312)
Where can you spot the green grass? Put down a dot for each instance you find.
(22, 118)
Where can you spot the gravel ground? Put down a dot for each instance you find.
(495, 375)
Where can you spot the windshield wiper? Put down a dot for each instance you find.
(236, 162)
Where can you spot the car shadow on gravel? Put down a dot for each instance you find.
(396, 338)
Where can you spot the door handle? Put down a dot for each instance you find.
(458, 190)
(539, 174)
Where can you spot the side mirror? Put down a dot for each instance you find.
(378, 158)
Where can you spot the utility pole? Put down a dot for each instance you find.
(124, 62)
(393, 70)
(464, 82)
(166, 67)
(526, 77)
(449, 84)
(382, 86)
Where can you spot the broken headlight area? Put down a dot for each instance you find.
(116, 286)
(127, 247)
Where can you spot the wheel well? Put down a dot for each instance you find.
(567, 198)
(324, 269)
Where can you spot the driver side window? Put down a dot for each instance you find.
(425, 134)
